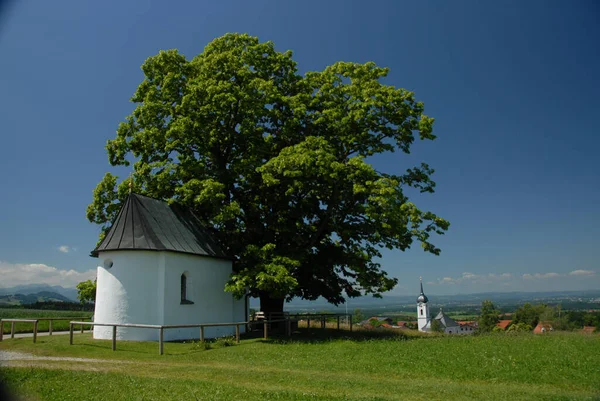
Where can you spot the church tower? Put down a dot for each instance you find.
(423, 310)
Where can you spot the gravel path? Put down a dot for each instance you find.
(8, 356)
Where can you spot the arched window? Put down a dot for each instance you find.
(421, 312)
(184, 289)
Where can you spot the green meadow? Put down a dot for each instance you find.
(314, 366)
(59, 325)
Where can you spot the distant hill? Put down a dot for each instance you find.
(69, 293)
(393, 301)
(24, 299)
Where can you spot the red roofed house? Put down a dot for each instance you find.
(542, 327)
(503, 324)
(588, 329)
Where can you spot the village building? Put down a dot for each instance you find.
(588, 329)
(445, 322)
(158, 265)
(503, 324)
(543, 327)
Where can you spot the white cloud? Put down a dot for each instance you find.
(528, 276)
(582, 273)
(64, 248)
(473, 278)
(19, 274)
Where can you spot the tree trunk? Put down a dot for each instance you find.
(271, 305)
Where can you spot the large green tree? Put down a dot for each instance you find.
(275, 164)
(86, 291)
(488, 317)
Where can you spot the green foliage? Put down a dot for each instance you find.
(227, 341)
(86, 291)
(436, 326)
(583, 318)
(519, 328)
(374, 323)
(488, 318)
(461, 367)
(358, 316)
(275, 165)
(555, 317)
(528, 314)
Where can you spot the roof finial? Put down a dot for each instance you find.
(130, 182)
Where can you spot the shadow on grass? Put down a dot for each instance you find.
(315, 336)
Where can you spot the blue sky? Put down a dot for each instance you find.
(512, 85)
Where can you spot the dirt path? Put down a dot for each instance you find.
(12, 358)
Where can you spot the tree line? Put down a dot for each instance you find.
(527, 316)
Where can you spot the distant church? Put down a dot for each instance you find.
(159, 266)
(449, 325)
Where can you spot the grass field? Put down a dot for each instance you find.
(559, 366)
(38, 313)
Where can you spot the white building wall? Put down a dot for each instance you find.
(144, 287)
(452, 330)
(127, 293)
(211, 304)
(423, 316)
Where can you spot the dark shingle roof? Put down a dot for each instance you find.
(145, 223)
(446, 320)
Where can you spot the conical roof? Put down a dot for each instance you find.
(422, 297)
(149, 224)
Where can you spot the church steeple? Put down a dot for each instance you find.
(422, 297)
(423, 319)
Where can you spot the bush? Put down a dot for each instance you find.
(224, 342)
(519, 328)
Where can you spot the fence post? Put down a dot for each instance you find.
(81, 328)
(350, 322)
(1, 330)
(289, 327)
(50, 327)
(70, 333)
(161, 343)
(12, 329)
(35, 327)
(114, 338)
(322, 322)
(237, 333)
(338, 327)
(265, 329)
(202, 333)
(308, 323)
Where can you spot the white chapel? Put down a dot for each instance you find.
(158, 265)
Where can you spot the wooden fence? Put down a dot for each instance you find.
(265, 323)
(35, 325)
(162, 328)
(322, 317)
